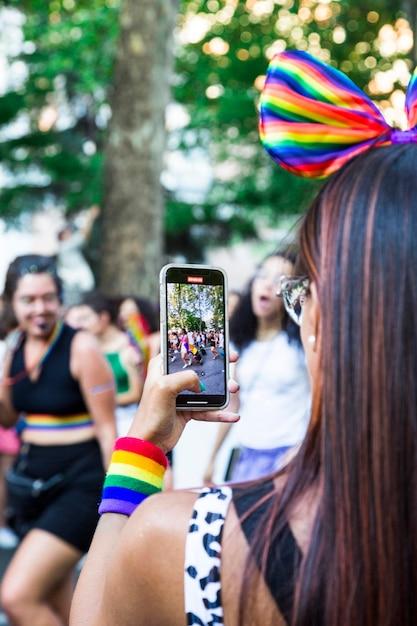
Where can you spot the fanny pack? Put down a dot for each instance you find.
(28, 496)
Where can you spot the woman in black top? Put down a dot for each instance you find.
(58, 381)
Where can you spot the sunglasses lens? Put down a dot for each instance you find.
(294, 292)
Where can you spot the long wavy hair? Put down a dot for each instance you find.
(358, 243)
(243, 324)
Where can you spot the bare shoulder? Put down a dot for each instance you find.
(86, 354)
(164, 512)
(130, 356)
(150, 561)
(84, 342)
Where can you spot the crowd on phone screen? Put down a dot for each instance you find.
(192, 346)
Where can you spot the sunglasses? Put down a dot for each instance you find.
(294, 292)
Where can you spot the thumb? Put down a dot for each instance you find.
(181, 381)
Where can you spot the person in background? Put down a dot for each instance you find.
(139, 317)
(9, 439)
(73, 315)
(98, 315)
(73, 268)
(220, 341)
(212, 342)
(271, 373)
(233, 299)
(135, 313)
(58, 379)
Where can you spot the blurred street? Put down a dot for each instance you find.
(211, 371)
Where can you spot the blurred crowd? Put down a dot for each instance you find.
(48, 324)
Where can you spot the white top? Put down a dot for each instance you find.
(72, 266)
(274, 394)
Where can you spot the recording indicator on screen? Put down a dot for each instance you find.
(195, 279)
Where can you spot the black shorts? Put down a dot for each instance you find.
(71, 513)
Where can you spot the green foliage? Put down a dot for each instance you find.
(69, 51)
(219, 76)
(194, 307)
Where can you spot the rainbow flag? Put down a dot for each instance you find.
(138, 331)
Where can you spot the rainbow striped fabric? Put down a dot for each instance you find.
(138, 330)
(136, 471)
(411, 101)
(313, 118)
(57, 422)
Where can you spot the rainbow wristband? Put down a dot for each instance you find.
(136, 471)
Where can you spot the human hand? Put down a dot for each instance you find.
(158, 419)
(94, 211)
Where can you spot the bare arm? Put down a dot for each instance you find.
(134, 571)
(8, 416)
(222, 432)
(92, 215)
(135, 375)
(91, 369)
(139, 580)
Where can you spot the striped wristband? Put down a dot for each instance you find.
(136, 471)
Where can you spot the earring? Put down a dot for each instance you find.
(312, 339)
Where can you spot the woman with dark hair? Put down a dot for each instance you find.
(98, 314)
(56, 379)
(331, 540)
(271, 372)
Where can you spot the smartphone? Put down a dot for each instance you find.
(194, 332)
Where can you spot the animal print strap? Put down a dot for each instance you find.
(202, 588)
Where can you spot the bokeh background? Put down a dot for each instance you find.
(148, 108)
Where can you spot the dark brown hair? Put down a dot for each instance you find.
(100, 303)
(358, 243)
(19, 267)
(243, 323)
(30, 264)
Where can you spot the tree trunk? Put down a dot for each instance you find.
(132, 220)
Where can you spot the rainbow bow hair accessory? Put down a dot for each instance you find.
(314, 119)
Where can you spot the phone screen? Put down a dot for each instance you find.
(196, 332)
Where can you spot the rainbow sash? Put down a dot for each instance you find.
(57, 422)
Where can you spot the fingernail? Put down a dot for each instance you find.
(202, 386)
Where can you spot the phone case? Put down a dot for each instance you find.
(163, 324)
